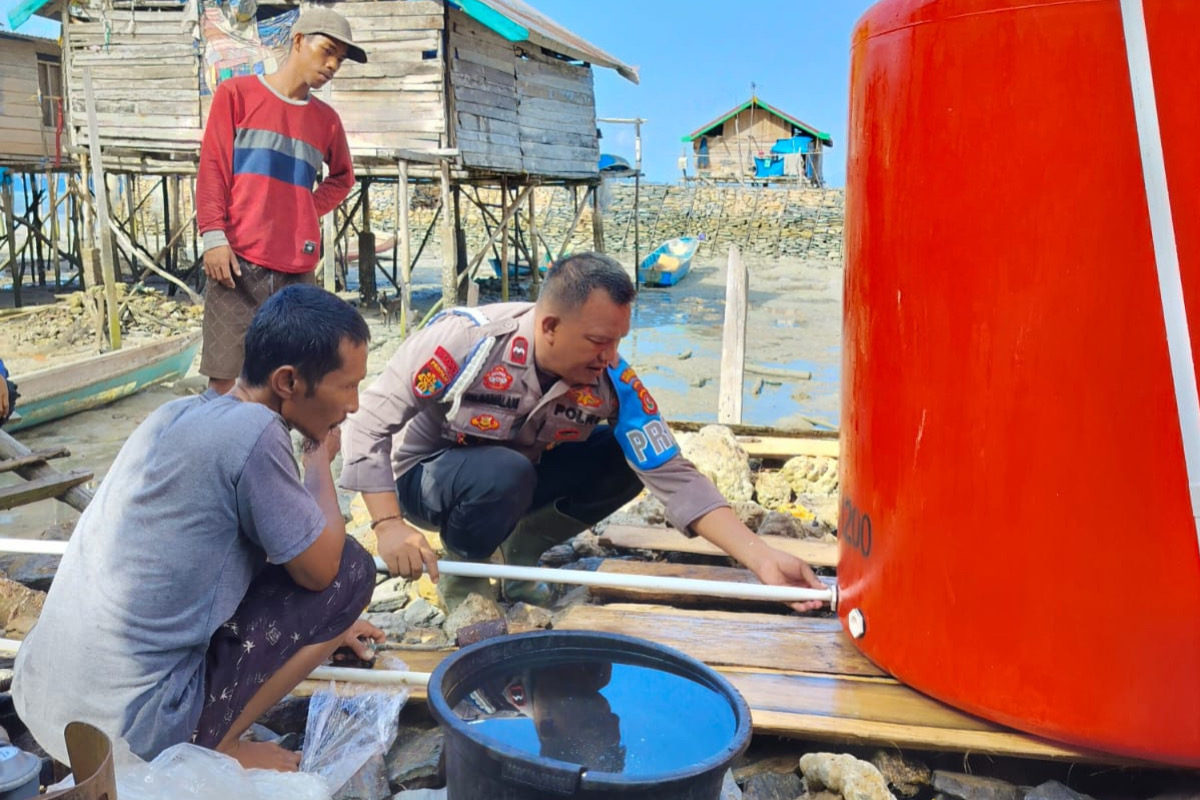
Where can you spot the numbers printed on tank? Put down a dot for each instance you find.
(855, 528)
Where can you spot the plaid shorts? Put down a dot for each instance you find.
(275, 620)
(227, 315)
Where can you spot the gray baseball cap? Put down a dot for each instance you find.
(328, 22)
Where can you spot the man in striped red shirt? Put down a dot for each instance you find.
(256, 205)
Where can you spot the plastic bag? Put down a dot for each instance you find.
(188, 772)
(348, 733)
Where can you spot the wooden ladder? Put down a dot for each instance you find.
(42, 480)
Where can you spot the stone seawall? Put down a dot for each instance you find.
(765, 223)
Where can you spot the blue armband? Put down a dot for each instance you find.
(641, 432)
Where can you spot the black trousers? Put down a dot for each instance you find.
(476, 495)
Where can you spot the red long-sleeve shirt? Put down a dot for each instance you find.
(259, 160)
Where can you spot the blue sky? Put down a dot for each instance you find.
(697, 61)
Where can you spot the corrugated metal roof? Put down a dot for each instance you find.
(24, 37)
(825, 138)
(545, 32)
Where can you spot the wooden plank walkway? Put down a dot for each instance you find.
(633, 537)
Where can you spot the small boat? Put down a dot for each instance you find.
(60, 391)
(667, 265)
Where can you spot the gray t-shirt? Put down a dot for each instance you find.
(203, 494)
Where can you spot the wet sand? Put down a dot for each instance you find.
(794, 323)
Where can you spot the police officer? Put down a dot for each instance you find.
(518, 425)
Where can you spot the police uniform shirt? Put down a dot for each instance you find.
(470, 378)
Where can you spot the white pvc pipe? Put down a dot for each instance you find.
(375, 677)
(612, 580)
(33, 546)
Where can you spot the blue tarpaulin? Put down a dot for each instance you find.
(796, 144)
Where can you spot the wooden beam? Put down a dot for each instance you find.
(496, 234)
(578, 216)
(33, 459)
(76, 497)
(781, 448)
(733, 341)
(106, 252)
(42, 488)
(669, 540)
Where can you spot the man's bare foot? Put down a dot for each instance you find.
(263, 755)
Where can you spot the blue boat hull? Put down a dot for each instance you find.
(667, 265)
(116, 375)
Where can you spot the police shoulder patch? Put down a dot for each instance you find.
(436, 374)
(640, 430)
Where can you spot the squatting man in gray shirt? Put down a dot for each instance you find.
(207, 578)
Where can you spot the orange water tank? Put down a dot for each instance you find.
(1022, 301)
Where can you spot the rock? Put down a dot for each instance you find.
(772, 786)
(422, 613)
(716, 453)
(750, 513)
(557, 556)
(478, 631)
(816, 475)
(1053, 790)
(426, 637)
(776, 523)
(476, 608)
(421, 794)
(906, 776)
(523, 615)
(391, 623)
(587, 545)
(415, 758)
(19, 607)
(781, 764)
(729, 787)
(772, 490)
(972, 787)
(34, 571)
(846, 775)
(649, 510)
(289, 715)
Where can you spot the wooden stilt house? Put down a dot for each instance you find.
(759, 143)
(30, 94)
(506, 88)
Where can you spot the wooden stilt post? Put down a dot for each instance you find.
(449, 242)
(504, 240)
(733, 341)
(87, 249)
(597, 220)
(404, 231)
(10, 231)
(106, 247)
(367, 291)
(534, 251)
(52, 189)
